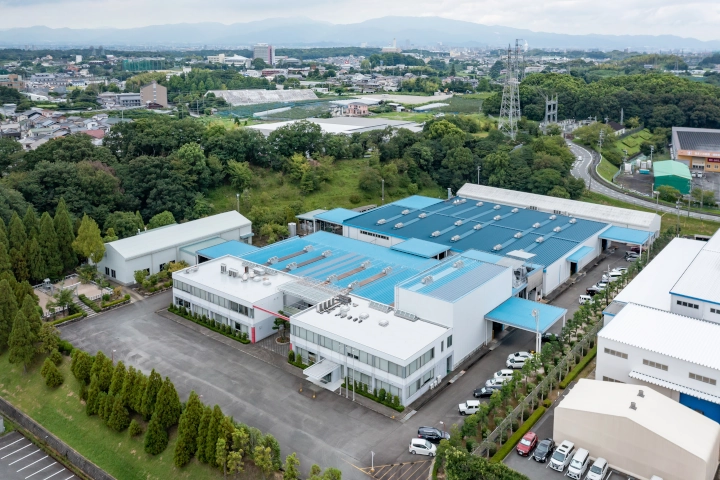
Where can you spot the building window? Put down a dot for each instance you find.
(376, 235)
(688, 304)
(700, 378)
(617, 354)
(162, 266)
(715, 310)
(112, 273)
(449, 341)
(107, 271)
(659, 366)
(608, 379)
(442, 346)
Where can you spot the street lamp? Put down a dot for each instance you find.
(372, 462)
(112, 356)
(677, 210)
(478, 175)
(237, 195)
(536, 314)
(657, 202)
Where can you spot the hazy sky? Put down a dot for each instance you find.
(698, 18)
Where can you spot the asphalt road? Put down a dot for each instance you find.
(20, 459)
(580, 170)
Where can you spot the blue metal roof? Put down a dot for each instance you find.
(517, 312)
(581, 253)
(482, 256)
(417, 201)
(421, 248)
(231, 247)
(626, 235)
(454, 278)
(336, 215)
(461, 224)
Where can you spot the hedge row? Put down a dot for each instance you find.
(515, 437)
(116, 302)
(578, 368)
(187, 316)
(90, 303)
(376, 398)
(68, 318)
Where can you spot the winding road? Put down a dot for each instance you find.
(581, 169)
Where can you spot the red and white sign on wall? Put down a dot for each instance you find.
(713, 160)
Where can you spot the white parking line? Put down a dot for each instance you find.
(71, 476)
(33, 453)
(13, 453)
(46, 478)
(40, 470)
(36, 461)
(13, 443)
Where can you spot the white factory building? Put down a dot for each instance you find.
(663, 329)
(152, 250)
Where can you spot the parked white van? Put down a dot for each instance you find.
(579, 464)
(562, 456)
(599, 470)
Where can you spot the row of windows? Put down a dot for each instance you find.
(371, 234)
(689, 305)
(700, 378)
(715, 310)
(612, 380)
(417, 384)
(650, 363)
(216, 299)
(364, 357)
(617, 354)
(110, 272)
(215, 316)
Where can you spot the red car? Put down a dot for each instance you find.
(526, 445)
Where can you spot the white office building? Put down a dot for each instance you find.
(265, 52)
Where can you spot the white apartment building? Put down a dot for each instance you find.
(264, 51)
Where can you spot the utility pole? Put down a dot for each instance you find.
(478, 182)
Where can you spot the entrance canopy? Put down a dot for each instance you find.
(518, 312)
(320, 369)
(626, 235)
(581, 253)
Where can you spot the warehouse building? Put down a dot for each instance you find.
(672, 174)
(153, 249)
(698, 148)
(638, 431)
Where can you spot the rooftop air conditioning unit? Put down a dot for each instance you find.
(398, 225)
(497, 217)
(422, 215)
(514, 210)
(497, 247)
(479, 204)
(557, 229)
(405, 212)
(383, 322)
(536, 225)
(381, 221)
(427, 280)
(364, 316)
(331, 278)
(257, 279)
(573, 220)
(352, 285)
(478, 226)
(273, 260)
(496, 207)
(459, 264)
(308, 248)
(267, 283)
(458, 223)
(539, 239)
(455, 238)
(291, 266)
(232, 272)
(223, 268)
(518, 235)
(436, 233)
(365, 264)
(553, 217)
(387, 270)
(327, 253)
(259, 271)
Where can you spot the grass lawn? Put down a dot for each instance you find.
(60, 411)
(406, 116)
(332, 194)
(607, 169)
(688, 226)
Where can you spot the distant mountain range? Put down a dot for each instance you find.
(419, 31)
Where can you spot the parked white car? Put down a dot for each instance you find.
(516, 363)
(598, 470)
(584, 299)
(469, 407)
(496, 382)
(518, 355)
(504, 373)
(562, 456)
(420, 446)
(579, 464)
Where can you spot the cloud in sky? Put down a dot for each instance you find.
(692, 18)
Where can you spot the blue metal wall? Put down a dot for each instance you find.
(709, 409)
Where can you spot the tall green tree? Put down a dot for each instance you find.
(81, 366)
(161, 219)
(48, 241)
(31, 223)
(138, 391)
(221, 455)
(49, 338)
(4, 234)
(32, 314)
(119, 417)
(21, 343)
(8, 311)
(128, 388)
(118, 379)
(188, 431)
(150, 395)
(292, 467)
(167, 406)
(88, 243)
(17, 234)
(91, 404)
(5, 265)
(65, 236)
(203, 427)
(213, 434)
(19, 263)
(103, 369)
(156, 438)
(35, 261)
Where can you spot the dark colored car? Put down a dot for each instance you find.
(432, 434)
(484, 392)
(526, 444)
(543, 450)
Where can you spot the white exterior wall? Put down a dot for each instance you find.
(355, 233)
(678, 370)
(702, 312)
(425, 307)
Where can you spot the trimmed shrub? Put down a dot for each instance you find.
(547, 402)
(291, 356)
(65, 347)
(134, 429)
(54, 378)
(515, 438)
(578, 368)
(56, 357)
(382, 395)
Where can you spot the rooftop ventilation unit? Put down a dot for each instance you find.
(308, 248)
(257, 279)
(422, 215)
(479, 204)
(459, 201)
(245, 277)
(344, 309)
(291, 266)
(427, 280)
(573, 220)
(557, 229)
(633, 406)
(539, 240)
(518, 235)
(496, 207)
(259, 271)
(497, 217)
(405, 212)
(223, 268)
(436, 233)
(478, 226)
(553, 217)
(381, 221)
(406, 315)
(232, 272)
(327, 253)
(383, 322)
(514, 210)
(497, 247)
(267, 283)
(459, 264)
(455, 238)
(641, 394)
(364, 316)
(272, 260)
(352, 285)
(536, 225)
(458, 223)
(331, 278)
(399, 225)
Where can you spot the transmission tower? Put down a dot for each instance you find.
(510, 107)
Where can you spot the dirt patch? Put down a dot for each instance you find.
(70, 394)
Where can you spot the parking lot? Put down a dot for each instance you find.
(20, 459)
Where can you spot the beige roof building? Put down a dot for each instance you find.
(153, 93)
(638, 431)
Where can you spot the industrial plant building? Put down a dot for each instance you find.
(698, 148)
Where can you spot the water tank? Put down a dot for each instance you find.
(292, 228)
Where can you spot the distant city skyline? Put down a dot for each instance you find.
(697, 18)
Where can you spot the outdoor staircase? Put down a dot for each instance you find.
(88, 311)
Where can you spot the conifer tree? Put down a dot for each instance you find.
(101, 400)
(186, 445)
(138, 391)
(202, 434)
(21, 343)
(156, 438)
(128, 387)
(103, 369)
(8, 311)
(49, 338)
(167, 406)
(65, 236)
(48, 241)
(91, 403)
(119, 417)
(221, 455)
(31, 223)
(291, 470)
(140, 220)
(213, 434)
(16, 233)
(35, 261)
(19, 264)
(5, 264)
(118, 378)
(154, 384)
(30, 309)
(53, 377)
(4, 235)
(82, 366)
